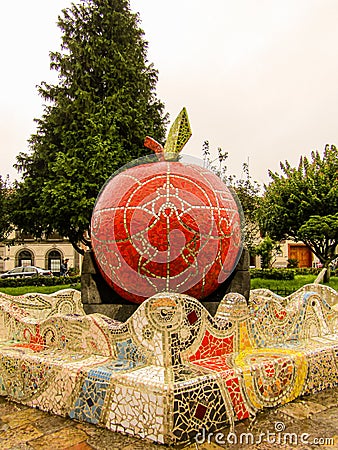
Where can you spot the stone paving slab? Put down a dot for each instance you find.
(310, 422)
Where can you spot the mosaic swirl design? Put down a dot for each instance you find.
(166, 226)
(171, 370)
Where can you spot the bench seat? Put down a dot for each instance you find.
(171, 370)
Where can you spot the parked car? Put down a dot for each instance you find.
(28, 271)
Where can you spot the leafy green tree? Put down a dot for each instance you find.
(321, 234)
(268, 250)
(94, 121)
(302, 204)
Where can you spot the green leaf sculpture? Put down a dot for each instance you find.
(179, 134)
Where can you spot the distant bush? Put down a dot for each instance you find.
(307, 270)
(273, 274)
(39, 281)
(286, 274)
(292, 263)
(72, 272)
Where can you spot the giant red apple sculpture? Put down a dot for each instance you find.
(166, 225)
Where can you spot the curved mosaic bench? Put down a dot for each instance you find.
(171, 369)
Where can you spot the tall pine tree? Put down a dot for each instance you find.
(95, 119)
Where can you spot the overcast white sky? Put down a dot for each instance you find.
(259, 78)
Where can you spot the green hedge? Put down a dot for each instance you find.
(39, 281)
(314, 271)
(286, 274)
(273, 274)
(307, 270)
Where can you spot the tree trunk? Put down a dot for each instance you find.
(327, 274)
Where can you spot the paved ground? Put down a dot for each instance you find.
(307, 423)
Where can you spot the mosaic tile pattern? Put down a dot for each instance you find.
(171, 369)
(166, 226)
(162, 224)
(179, 133)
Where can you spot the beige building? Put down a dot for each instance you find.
(290, 250)
(44, 253)
(295, 250)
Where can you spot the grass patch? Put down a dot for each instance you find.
(20, 290)
(286, 287)
(281, 287)
(333, 283)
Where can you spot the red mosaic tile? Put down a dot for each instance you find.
(168, 225)
(213, 346)
(200, 411)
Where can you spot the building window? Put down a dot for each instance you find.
(54, 261)
(25, 258)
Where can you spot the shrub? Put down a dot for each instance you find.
(39, 281)
(273, 274)
(72, 272)
(307, 270)
(292, 263)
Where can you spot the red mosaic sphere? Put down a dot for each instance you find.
(166, 226)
